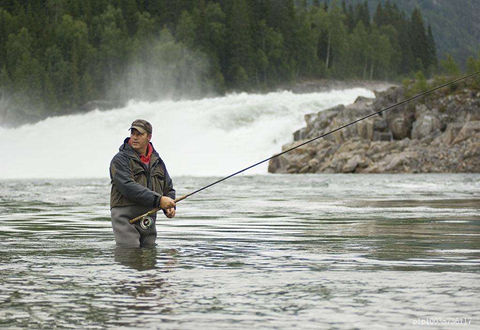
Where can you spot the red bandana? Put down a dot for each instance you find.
(146, 159)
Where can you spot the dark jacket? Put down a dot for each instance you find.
(134, 183)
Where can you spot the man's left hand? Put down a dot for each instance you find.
(169, 213)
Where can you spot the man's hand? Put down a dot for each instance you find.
(166, 203)
(169, 213)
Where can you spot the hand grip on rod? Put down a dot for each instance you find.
(152, 211)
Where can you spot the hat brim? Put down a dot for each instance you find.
(138, 128)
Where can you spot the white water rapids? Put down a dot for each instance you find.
(212, 136)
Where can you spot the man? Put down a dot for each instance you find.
(140, 182)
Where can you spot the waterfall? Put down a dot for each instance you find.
(206, 137)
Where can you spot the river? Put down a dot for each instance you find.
(258, 251)
(255, 251)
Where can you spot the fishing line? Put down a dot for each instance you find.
(144, 216)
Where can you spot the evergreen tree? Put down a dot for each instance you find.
(360, 51)
(350, 19)
(336, 36)
(305, 54)
(431, 51)
(240, 51)
(363, 14)
(418, 41)
(57, 78)
(473, 66)
(215, 43)
(186, 28)
(391, 70)
(25, 71)
(112, 50)
(276, 61)
(379, 15)
(129, 10)
(319, 23)
(5, 83)
(7, 26)
(449, 66)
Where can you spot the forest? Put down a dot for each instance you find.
(57, 56)
(454, 24)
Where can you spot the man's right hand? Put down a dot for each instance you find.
(166, 203)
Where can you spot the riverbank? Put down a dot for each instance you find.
(440, 133)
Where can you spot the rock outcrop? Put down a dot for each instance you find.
(438, 134)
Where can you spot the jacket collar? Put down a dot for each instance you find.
(125, 147)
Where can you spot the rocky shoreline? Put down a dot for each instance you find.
(437, 134)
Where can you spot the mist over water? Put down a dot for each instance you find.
(211, 136)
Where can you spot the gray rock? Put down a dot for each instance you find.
(468, 130)
(426, 125)
(400, 124)
(451, 132)
(352, 164)
(440, 135)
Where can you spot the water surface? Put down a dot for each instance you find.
(263, 251)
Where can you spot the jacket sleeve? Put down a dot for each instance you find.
(168, 190)
(122, 178)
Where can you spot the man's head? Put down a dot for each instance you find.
(140, 135)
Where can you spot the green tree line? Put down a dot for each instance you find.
(454, 24)
(60, 54)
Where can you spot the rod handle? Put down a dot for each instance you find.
(152, 211)
(181, 198)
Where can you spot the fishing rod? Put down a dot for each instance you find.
(144, 216)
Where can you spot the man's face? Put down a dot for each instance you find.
(139, 141)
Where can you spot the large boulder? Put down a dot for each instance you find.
(400, 123)
(427, 125)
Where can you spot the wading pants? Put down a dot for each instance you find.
(132, 235)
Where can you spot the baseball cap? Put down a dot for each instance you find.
(142, 126)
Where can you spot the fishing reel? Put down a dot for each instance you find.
(146, 223)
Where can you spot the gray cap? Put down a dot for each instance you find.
(142, 126)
